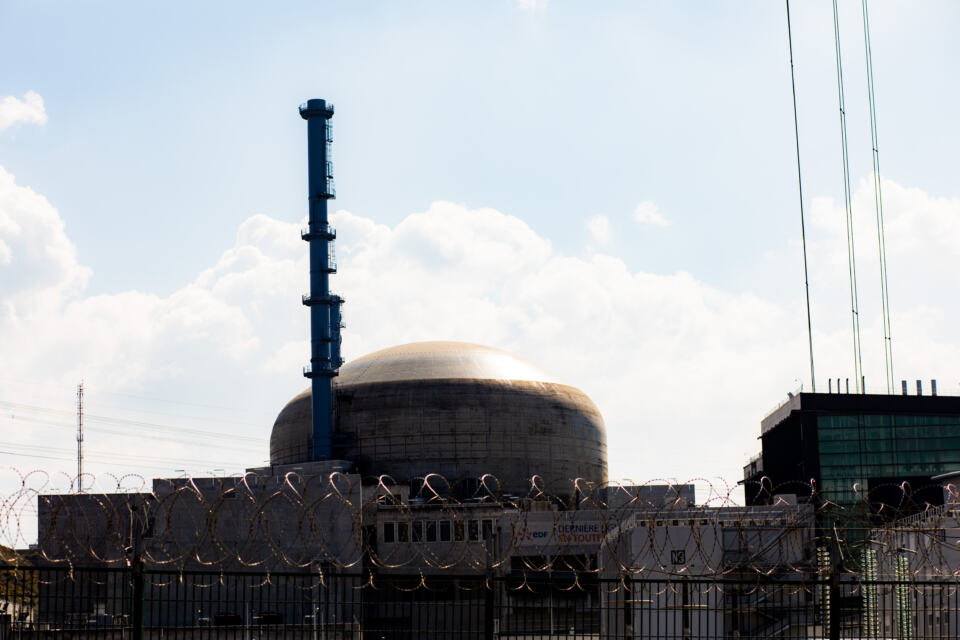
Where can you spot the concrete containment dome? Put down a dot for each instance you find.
(460, 410)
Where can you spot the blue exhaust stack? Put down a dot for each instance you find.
(324, 307)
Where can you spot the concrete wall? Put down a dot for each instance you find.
(459, 429)
(283, 521)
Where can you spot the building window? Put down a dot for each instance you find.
(402, 532)
(473, 530)
(431, 530)
(388, 532)
(458, 530)
(488, 529)
(417, 533)
(445, 531)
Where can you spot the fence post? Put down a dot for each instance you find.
(490, 630)
(488, 604)
(627, 606)
(136, 566)
(734, 594)
(834, 632)
(137, 599)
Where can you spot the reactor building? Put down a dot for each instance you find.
(459, 410)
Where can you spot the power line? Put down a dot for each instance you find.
(803, 231)
(117, 432)
(10, 381)
(878, 200)
(163, 427)
(41, 451)
(181, 402)
(152, 426)
(848, 206)
(204, 418)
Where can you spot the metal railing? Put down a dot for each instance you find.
(124, 602)
(325, 367)
(329, 106)
(321, 230)
(790, 398)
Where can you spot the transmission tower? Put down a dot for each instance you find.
(80, 437)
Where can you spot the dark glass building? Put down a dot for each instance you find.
(857, 450)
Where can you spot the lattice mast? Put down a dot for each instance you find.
(80, 437)
(324, 307)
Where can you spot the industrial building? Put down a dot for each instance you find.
(315, 523)
(854, 449)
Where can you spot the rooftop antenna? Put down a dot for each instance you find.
(80, 437)
(878, 200)
(851, 255)
(324, 307)
(803, 230)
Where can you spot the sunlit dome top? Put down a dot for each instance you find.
(439, 361)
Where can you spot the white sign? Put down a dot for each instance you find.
(559, 534)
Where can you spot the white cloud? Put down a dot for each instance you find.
(649, 213)
(51, 332)
(39, 261)
(661, 354)
(599, 228)
(923, 249)
(29, 110)
(681, 370)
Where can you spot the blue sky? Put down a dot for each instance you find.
(168, 118)
(169, 127)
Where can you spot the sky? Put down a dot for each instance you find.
(606, 189)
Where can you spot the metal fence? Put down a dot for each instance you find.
(133, 602)
(288, 522)
(335, 556)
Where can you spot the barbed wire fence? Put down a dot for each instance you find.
(608, 554)
(292, 521)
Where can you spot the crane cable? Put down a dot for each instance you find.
(878, 200)
(851, 254)
(803, 230)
